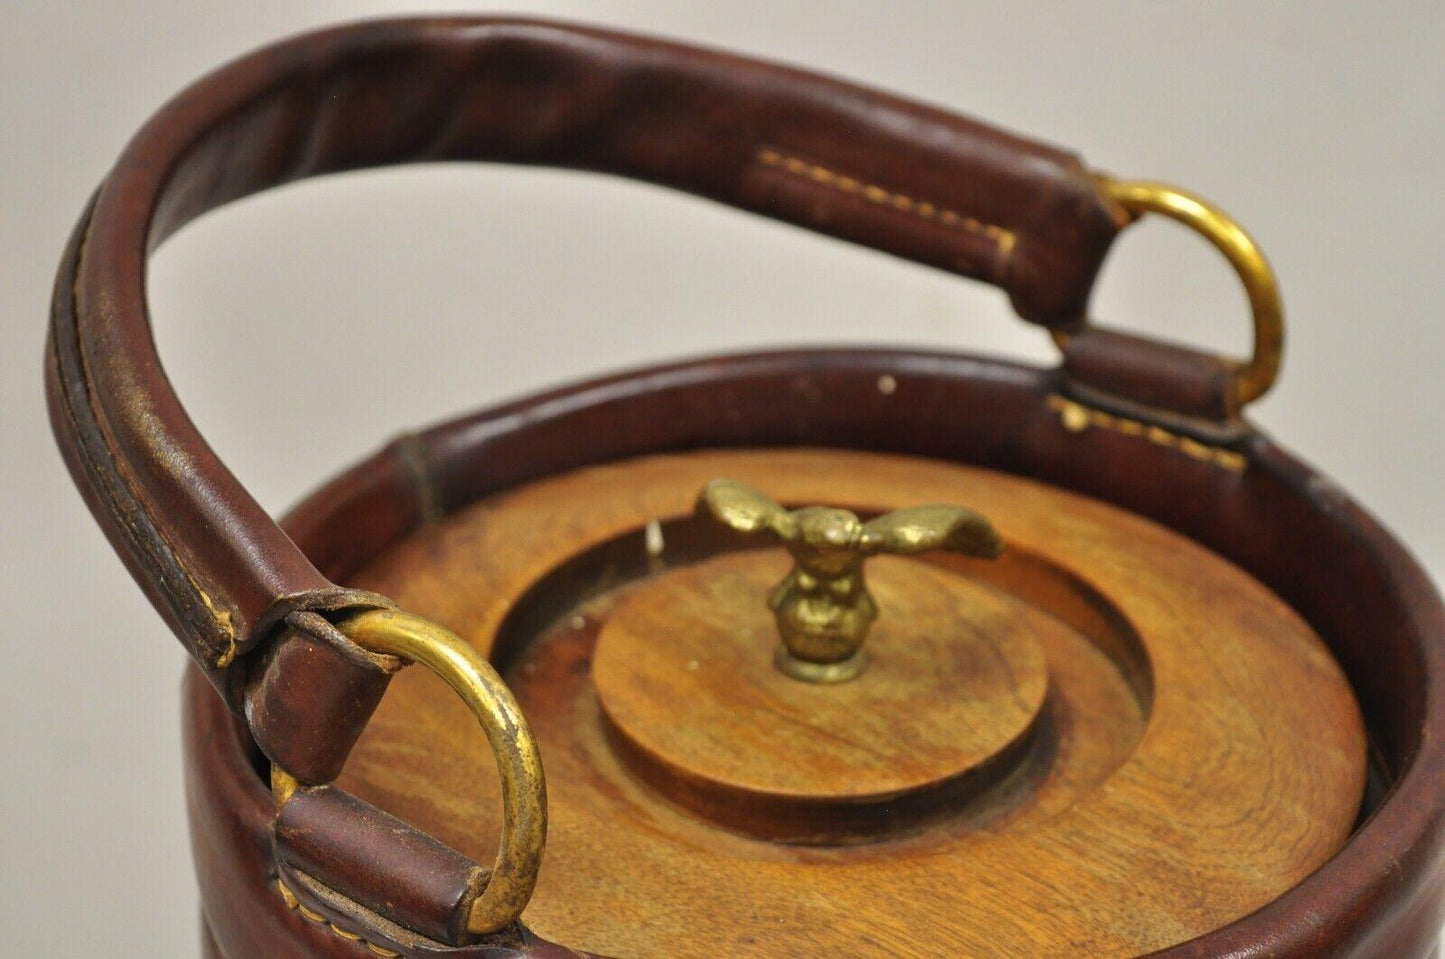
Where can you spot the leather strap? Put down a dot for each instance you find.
(842, 159)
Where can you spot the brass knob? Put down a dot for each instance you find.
(823, 607)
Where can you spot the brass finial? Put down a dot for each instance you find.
(823, 607)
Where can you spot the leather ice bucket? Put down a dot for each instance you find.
(1122, 676)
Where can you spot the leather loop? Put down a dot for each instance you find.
(845, 160)
(337, 839)
(312, 695)
(1152, 375)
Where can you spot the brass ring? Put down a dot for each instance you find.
(1254, 377)
(519, 765)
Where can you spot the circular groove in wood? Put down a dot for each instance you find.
(1245, 779)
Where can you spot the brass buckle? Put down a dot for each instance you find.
(1252, 377)
(519, 765)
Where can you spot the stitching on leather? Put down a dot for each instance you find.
(1076, 417)
(1003, 239)
(221, 617)
(294, 904)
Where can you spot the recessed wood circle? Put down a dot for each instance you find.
(1199, 752)
(684, 672)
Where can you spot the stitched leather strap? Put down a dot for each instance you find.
(842, 159)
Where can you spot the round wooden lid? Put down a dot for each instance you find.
(1108, 740)
(954, 690)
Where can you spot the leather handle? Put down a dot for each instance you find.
(841, 159)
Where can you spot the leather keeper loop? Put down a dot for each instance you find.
(1150, 374)
(347, 845)
(312, 696)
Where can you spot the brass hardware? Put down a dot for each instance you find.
(519, 765)
(1253, 377)
(823, 607)
(283, 785)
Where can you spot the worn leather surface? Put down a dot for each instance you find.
(1379, 896)
(245, 915)
(341, 841)
(315, 717)
(313, 670)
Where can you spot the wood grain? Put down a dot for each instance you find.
(1203, 751)
(683, 669)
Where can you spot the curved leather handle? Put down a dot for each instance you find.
(841, 159)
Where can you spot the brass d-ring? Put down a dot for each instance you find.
(524, 790)
(1255, 376)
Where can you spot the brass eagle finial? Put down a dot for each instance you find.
(823, 607)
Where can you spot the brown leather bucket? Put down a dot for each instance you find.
(278, 687)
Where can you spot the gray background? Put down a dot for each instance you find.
(340, 312)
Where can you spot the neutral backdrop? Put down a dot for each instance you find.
(340, 312)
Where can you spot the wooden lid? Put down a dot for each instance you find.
(684, 673)
(1108, 740)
